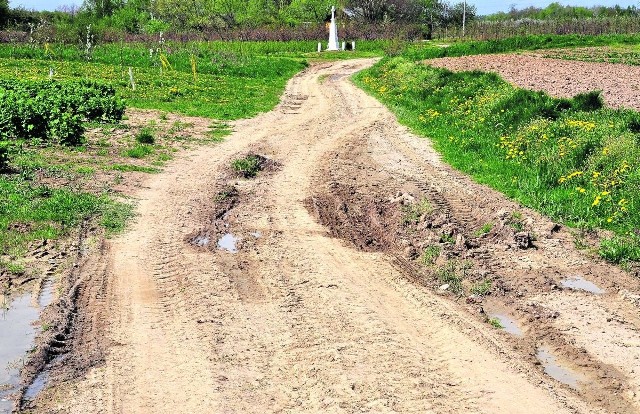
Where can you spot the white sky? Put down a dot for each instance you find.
(484, 6)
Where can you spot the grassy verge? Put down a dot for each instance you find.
(567, 158)
(517, 43)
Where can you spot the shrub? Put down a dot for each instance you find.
(145, 136)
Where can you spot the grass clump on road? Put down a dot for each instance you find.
(248, 166)
(568, 158)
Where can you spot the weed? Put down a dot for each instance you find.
(145, 136)
(495, 322)
(482, 288)
(163, 116)
(453, 273)
(139, 151)
(114, 215)
(248, 167)
(413, 212)
(485, 229)
(515, 221)
(447, 238)
(430, 255)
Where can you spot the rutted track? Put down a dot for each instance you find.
(297, 320)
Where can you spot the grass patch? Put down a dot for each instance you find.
(430, 255)
(564, 157)
(413, 212)
(452, 273)
(485, 229)
(132, 168)
(248, 167)
(145, 136)
(139, 151)
(481, 288)
(495, 322)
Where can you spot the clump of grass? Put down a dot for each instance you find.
(248, 167)
(145, 136)
(430, 255)
(413, 212)
(482, 288)
(485, 229)
(139, 151)
(453, 273)
(495, 322)
(515, 221)
(447, 238)
(132, 168)
(219, 130)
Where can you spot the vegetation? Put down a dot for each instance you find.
(568, 158)
(248, 167)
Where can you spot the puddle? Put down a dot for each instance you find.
(18, 332)
(256, 234)
(507, 323)
(228, 243)
(37, 385)
(46, 293)
(201, 240)
(580, 283)
(556, 371)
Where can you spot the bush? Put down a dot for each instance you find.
(590, 101)
(4, 154)
(53, 111)
(145, 136)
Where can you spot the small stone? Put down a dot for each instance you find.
(444, 287)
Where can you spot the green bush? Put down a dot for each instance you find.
(145, 136)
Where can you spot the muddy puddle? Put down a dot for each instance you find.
(508, 324)
(228, 242)
(18, 327)
(201, 241)
(554, 369)
(580, 283)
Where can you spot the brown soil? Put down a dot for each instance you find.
(327, 305)
(557, 77)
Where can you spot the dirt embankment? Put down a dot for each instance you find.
(307, 288)
(557, 77)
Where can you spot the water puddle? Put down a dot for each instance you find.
(256, 234)
(46, 293)
(201, 240)
(228, 243)
(556, 371)
(18, 317)
(580, 283)
(37, 385)
(18, 332)
(508, 324)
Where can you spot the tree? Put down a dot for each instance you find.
(4, 13)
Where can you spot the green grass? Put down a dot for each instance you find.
(139, 151)
(568, 158)
(233, 79)
(485, 229)
(29, 213)
(430, 255)
(513, 44)
(248, 166)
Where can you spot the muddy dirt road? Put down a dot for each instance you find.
(300, 290)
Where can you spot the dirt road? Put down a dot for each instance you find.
(321, 305)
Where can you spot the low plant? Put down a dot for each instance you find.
(495, 322)
(481, 288)
(452, 273)
(139, 151)
(447, 238)
(145, 136)
(430, 255)
(485, 229)
(413, 212)
(248, 166)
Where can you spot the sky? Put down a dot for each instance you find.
(484, 6)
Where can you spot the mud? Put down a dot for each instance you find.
(337, 306)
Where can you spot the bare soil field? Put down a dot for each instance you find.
(558, 77)
(303, 289)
